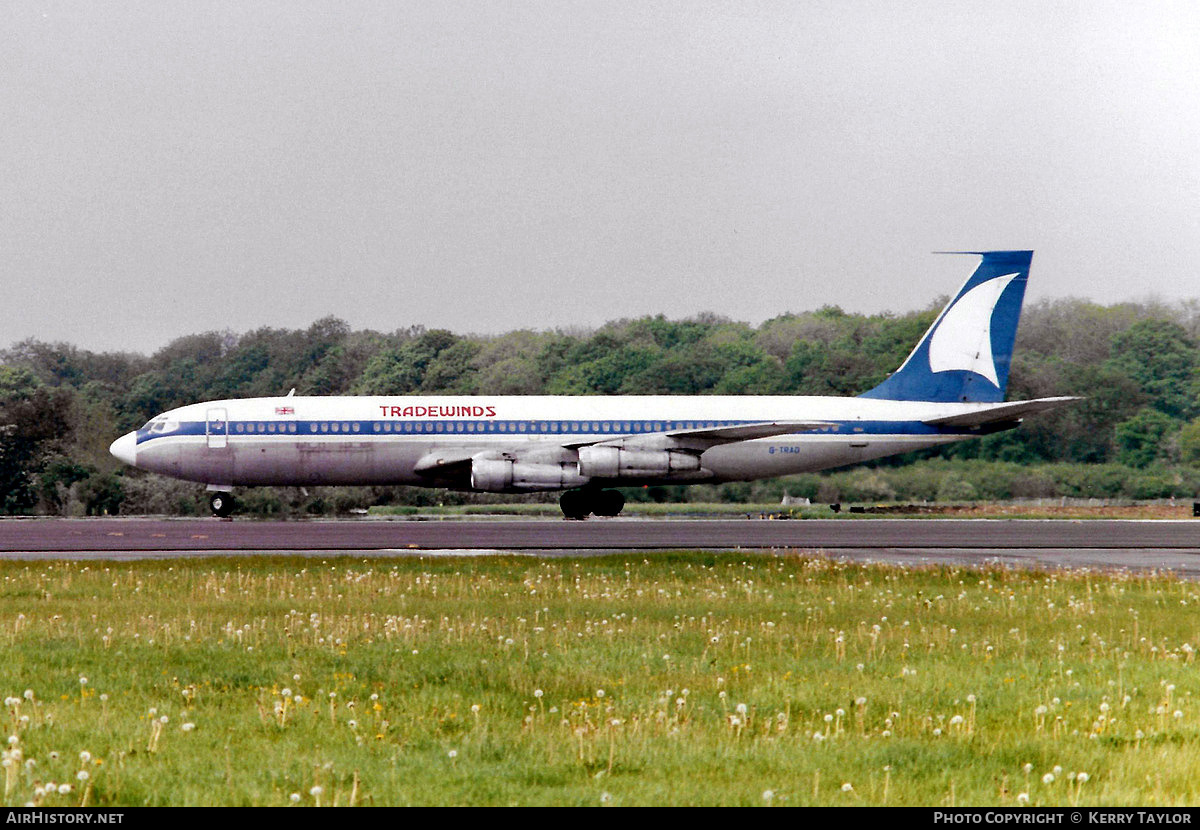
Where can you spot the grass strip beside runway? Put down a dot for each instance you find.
(685, 678)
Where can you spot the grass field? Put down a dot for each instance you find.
(683, 678)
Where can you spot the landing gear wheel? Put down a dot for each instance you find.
(575, 505)
(221, 503)
(608, 503)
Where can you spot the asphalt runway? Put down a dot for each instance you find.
(1133, 545)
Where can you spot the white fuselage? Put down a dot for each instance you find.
(427, 440)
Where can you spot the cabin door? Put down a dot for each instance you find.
(216, 427)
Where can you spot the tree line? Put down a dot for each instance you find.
(1137, 366)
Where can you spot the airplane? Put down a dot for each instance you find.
(950, 388)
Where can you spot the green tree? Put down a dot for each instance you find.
(1189, 443)
(1160, 357)
(34, 425)
(1139, 439)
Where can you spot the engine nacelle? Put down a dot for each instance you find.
(614, 462)
(498, 475)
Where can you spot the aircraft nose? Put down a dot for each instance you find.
(125, 448)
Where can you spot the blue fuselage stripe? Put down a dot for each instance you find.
(520, 429)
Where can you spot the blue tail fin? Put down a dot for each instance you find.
(966, 353)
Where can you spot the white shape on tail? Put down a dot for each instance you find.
(963, 340)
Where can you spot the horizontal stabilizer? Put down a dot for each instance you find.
(1000, 412)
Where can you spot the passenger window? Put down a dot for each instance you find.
(554, 426)
(241, 428)
(312, 427)
(291, 427)
(470, 426)
(324, 427)
(439, 426)
(270, 427)
(604, 426)
(521, 426)
(355, 426)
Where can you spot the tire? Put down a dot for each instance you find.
(221, 504)
(608, 503)
(575, 505)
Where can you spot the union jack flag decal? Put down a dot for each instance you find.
(285, 410)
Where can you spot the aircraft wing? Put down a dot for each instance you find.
(444, 460)
(1000, 412)
(745, 432)
(713, 435)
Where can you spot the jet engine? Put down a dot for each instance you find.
(499, 475)
(614, 462)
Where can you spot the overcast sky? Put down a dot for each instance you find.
(169, 168)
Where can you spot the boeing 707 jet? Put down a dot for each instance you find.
(951, 388)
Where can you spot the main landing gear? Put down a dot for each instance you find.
(578, 504)
(222, 504)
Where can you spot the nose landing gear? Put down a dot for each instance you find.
(578, 504)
